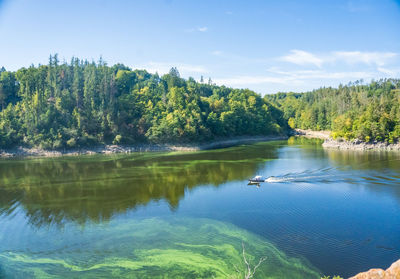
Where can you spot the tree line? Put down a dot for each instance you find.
(82, 103)
(369, 112)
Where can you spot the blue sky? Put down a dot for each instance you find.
(267, 46)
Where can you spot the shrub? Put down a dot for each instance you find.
(71, 142)
(117, 139)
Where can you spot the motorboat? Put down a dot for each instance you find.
(256, 179)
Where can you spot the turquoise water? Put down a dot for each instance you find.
(189, 215)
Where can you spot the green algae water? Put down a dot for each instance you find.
(150, 247)
(189, 215)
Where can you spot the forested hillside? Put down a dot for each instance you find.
(367, 112)
(81, 103)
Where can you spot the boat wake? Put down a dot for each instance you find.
(335, 175)
(309, 176)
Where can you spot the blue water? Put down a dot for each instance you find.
(336, 211)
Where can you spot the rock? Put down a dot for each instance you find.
(312, 134)
(393, 272)
(359, 145)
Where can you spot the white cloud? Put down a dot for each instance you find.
(163, 68)
(242, 80)
(338, 75)
(294, 77)
(390, 72)
(301, 57)
(352, 57)
(303, 79)
(322, 74)
(202, 29)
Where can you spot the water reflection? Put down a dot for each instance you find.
(345, 166)
(55, 191)
(327, 211)
(370, 169)
(359, 160)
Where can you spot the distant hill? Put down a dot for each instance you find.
(368, 112)
(83, 103)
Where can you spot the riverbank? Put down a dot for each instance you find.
(111, 149)
(313, 134)
(342, 144)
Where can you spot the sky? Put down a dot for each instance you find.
(266, 46)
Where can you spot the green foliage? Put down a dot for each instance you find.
(367, 112)
(84, 103)
(71, 142)
(117, 139)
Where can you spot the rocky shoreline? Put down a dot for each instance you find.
(329, 143)
(111, 149)
(393, 272)
(342, 144)
(359, 145)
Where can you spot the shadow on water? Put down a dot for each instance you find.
(52, 191)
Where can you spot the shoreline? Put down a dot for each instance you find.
(25, 152)
(358, 145)
(312, 134)
(342, 144)
(393, 271)
(329, 143)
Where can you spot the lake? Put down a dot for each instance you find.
(189, 215)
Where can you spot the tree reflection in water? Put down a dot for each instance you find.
(53, 191)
